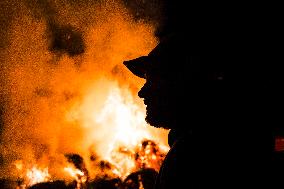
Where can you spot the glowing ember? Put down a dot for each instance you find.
(140, 182)
(36, 175)
(149, 155)
(77, 174)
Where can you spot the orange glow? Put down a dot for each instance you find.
(76, 174)
(128, 128)
(19, 165)
(56, 104)
(36, 175)
(126, 118)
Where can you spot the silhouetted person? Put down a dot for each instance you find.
(210, 81)
(217, 113)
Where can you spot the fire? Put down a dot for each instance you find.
(36, 175)
(128, 119)
(150, 155)
(129, 130)
(129, 146)
(31, 176)
(76, 174)
(85, 103)
(125, 122)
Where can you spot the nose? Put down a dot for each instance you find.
(142, 92)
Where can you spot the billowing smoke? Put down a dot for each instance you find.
(61, 68)
(64, 38)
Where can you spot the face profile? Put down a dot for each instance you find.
(156, 94)
(162, 70)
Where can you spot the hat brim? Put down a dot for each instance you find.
(138, 66)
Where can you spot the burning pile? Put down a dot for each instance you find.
(130, 158)
(71, 114)
(147, 158)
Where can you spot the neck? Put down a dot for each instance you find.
(177, 133)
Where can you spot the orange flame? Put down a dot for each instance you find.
(56, 104)
(77, 174)
(129, 129)
(36, 175)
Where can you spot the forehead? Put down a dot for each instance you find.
(158, 77)
(166, 61)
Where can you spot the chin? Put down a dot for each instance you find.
(157, 121)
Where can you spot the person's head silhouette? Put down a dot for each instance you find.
(176, 81)
(164, 71)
